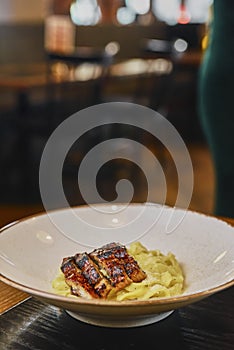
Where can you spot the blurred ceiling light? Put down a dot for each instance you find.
(140, 7)
(199, 10)
(184, 15)
(60, 71)
(112, 48)
(85, 12)
(180, 45)
(166, 10)
(134, 66)
(169, 11)
(125, 16)
(87, 71)
(160, 66)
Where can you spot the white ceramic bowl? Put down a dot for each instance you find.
(31, 251)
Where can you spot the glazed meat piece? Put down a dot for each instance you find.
(111, 265)
(76, 280)
(92, 274)
(131, 266)
(120, 267)
(95, 274)
(133, 269)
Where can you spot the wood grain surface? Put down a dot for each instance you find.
(205, 325)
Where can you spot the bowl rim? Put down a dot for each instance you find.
(83, 206)
(114, 303)
(182, 298)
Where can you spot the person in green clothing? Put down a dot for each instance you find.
(216, 103)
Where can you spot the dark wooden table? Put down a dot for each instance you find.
(27, 323)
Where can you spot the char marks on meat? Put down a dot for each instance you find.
(108, 259)
(76, 280)
(95, 274)
(121, 268)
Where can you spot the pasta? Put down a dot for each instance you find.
(164, 277)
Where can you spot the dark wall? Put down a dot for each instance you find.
(22, 43)
(129, 37)
(25, 42)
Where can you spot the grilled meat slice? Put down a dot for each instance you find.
(132, 268)
(92, 274)
(95, 274)
(111, 266)
(76, 280)
(119, 252)
(119, 266)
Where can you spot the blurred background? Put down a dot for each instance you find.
(60, 56)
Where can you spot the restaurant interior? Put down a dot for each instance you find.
(59, 57)
(139, 60)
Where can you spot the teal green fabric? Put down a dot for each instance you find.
(216, 103)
